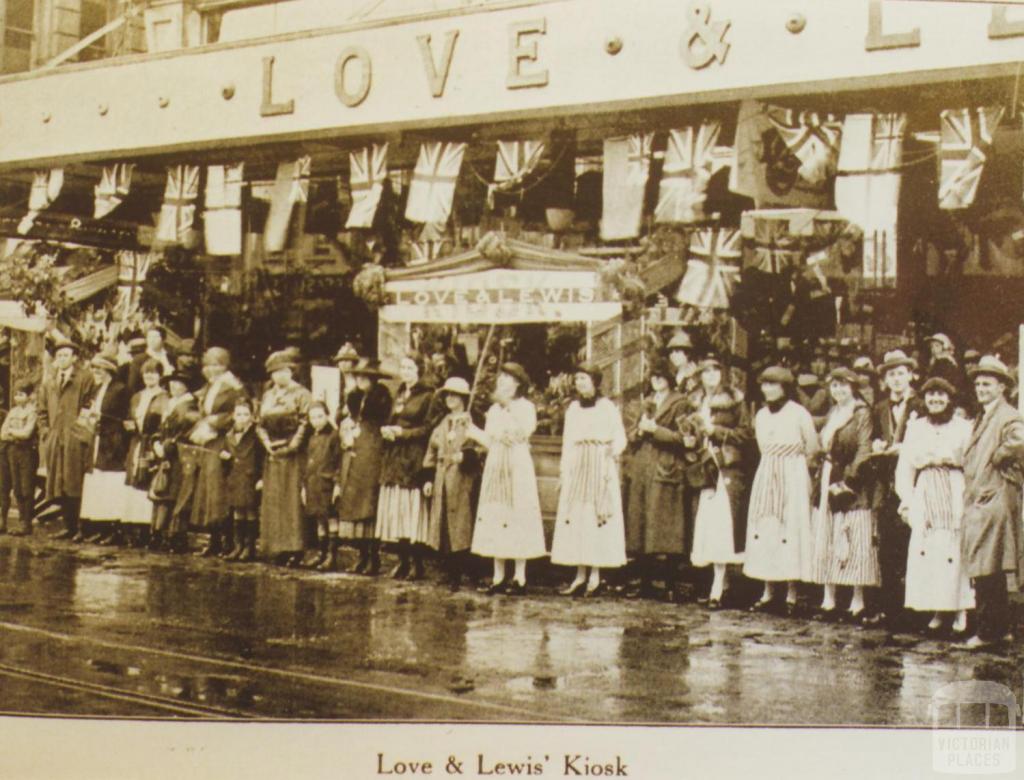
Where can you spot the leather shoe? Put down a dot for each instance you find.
(762, 606)
(494, 588)
(65, 534)
(515, 589)
(598, 590)
(826, 615)
(713, 605)
(574, 589)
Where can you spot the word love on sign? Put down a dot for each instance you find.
(483, 297)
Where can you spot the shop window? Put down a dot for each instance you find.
(94, 16)
(17, 20)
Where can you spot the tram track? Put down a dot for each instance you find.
(490, 710)
(161, 703)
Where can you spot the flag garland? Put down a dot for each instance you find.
(965, 142)
(115, 183)
(433, 182)
(46, 186)
(368, 168)
(291, 186)
(627, 166)
(812, 138)
(692, 157)
(177, 215)
(515, 161)
(222, 219)
(713, 268)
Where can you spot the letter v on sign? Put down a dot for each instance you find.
(437, 73)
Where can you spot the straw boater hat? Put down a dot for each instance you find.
(346, 354)
(176, 376)
(136, 346)
(368, 367)
(938, 385)
(279, 360)
(863, 365)
(895, 359)
(808, 380)
(971, 356)
(710, 362)
(456, 385)
(106, 361)
(60, 342)
(776, 375)
(990, 365)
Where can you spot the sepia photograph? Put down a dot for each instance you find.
(560, 388)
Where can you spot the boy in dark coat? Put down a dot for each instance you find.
(242, 456)
(323, 458)
(20, 456)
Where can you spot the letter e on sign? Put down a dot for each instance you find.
(353, 97)
(437, 74)
(521, 52)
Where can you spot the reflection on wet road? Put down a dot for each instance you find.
(94, 632)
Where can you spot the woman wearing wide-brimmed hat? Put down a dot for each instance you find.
(452, 466)
(508, 518)
(103, 491)
(930, 485)
(368, 408)
(719, 416)
(779, 540)
(283, 419)
(402, 509)
(845, 546)
(589, 527)
(178, 416)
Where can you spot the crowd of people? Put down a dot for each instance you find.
(899, 485)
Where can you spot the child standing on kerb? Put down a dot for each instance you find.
(20, 457)
(323, 458)
(243, 464)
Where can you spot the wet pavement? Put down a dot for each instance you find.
(94, 631)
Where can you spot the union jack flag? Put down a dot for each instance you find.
(433, 182)
(812, 138)
(115, 182)
(966, 139)
(291, 186)
(46, 186)
(368, 168)
(178, 213)
(222, 220)
(713, 268)
(691, 158)
(627, 164)
(516, 160)
(781, 238)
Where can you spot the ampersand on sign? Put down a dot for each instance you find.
(705, 41)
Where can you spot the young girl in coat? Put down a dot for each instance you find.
(508, 519)
(323, 454)
(243, 456)
(452, 464)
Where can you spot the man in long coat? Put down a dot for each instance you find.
(993, 474)
(62, 397)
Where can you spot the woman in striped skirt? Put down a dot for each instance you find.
(779, 538)
(845, 548)
(589, 529)
(930, 484)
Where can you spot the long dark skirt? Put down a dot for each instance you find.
(282, 525)
(210, 500)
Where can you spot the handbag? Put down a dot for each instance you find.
(160, 487)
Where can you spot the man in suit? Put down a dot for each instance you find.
(993, 474)
(889, 424)
(63, 396)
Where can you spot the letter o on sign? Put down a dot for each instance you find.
(354, 97)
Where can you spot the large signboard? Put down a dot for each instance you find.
(522, 60)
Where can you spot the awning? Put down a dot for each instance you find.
(12, 315)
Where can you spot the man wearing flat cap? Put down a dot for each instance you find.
(889, 424)
(63, 396)
(993, 474)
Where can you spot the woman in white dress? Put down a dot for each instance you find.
(508, 519)
(845, 551)
(589, 529)
(930, 485)
(719, 416)
(779, 534)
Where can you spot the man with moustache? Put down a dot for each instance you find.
(889, 423)
(993, 474)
